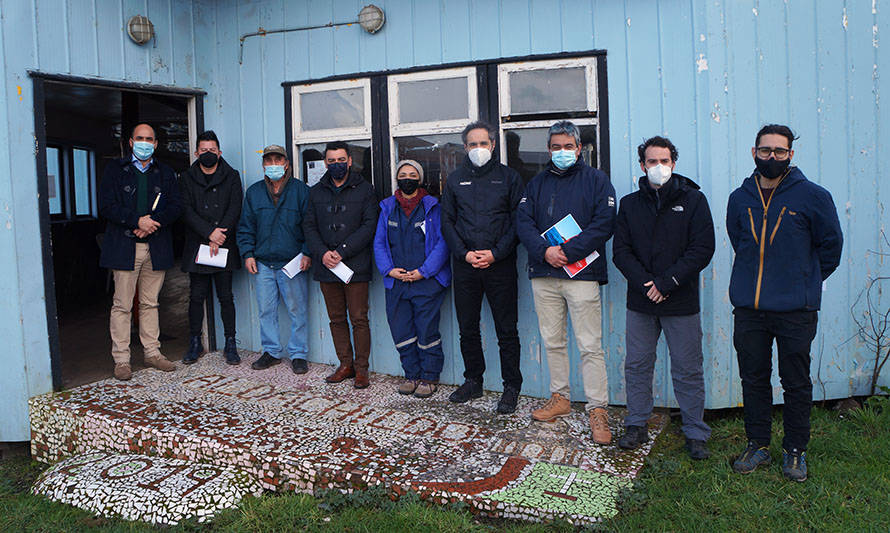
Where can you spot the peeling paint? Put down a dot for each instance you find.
(628, 22)
(754, 10)
(845, 21)
(701, 63)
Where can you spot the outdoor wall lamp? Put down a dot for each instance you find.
(140, 29)
(370, 18)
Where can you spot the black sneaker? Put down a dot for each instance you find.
(507, 403)
(264, 362)
(196, 348)
(794, 465)
(231, 352)
(753, 456)
(634, 437)
(299, 366)
(697, 449)
(466, 392)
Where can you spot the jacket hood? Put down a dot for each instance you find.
(352, 179)
(559, 173)
(479, 171)
(792, 178)
(222, 172)
(678, 179)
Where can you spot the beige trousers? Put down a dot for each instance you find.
(553, 297)
(125, 283)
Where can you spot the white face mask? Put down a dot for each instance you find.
(479, 156)
(658, 175)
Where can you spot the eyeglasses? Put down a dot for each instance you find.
(781, 153)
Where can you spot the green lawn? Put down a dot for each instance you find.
(848, 490)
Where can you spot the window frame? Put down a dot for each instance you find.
(590, 65)
(350, 133)
(66, 191)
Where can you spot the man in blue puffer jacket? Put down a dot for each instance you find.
(787, 240)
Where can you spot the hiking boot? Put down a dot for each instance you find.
(425, 389)
(753, 456)
(599, 426)
(507, 403)
(231, 352)
(196, 348)
(794, 465)
(555, 407)
(342, 373)
(698, 449)
(299, 366)
(633, 438)
(160, 362)
(468, 391)
(361, 380)
(408, 386)
(122, 371)
(264, 362)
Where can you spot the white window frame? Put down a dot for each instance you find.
(589, 64)
(352, 133)
(507, 126)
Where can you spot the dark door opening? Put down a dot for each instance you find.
(86, 127)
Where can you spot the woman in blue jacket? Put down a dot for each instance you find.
(413, 258)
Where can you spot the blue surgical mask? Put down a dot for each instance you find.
(143, 150)
(338, 170)
(563, 159)
(274, 172)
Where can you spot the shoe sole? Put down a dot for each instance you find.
(424, 395)
(765, 463)
(796, 480)
(405, 393)
(553, 419)
(233, 363)
(472, 397)
(361, 386)
(189, 361)
(505, 411)
(632, 447)
(603, 442)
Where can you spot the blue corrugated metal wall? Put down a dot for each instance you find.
(707, 73)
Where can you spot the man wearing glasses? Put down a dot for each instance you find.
(787, 240)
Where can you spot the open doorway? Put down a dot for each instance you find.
(85, 127)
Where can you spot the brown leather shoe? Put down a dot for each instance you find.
(122, 371)
(161, 363)
(555, 407)
(342, 372)
(599, 425)
(361, 381)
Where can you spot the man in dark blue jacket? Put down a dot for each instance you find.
(269, 237)
(787, 240)
(569, 187)
(478, 205)
(139, 199)
(664, 238)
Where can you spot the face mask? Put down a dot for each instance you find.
(274, 172)
(479, 156)
(658, 175)
(771, 168)
(563, 159)
(408, 186)
(338, 170)
(143, 150)
(208, 159)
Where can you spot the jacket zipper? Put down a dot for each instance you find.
(763, 235)
(775, 229)
(753, 232)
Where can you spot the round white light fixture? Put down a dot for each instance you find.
(140, 29)
(371, 18)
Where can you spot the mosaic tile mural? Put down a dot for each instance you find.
(299, 433)
(148, 489)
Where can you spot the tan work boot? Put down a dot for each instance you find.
(408, 386)
(122, 371)
(599, 425)
(425, 389)
(555, 407)
(160, 362)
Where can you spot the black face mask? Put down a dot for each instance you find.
(208, 159)
(771, 168)
(408, 186)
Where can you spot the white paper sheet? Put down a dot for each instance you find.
(342, 271)
(292, 268)
(219, 260)
(314, 171)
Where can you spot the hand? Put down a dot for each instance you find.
(555, 257)
(414, 275)
(147, 224)
(218, 236)
(214, 249)
(305, 263)
(250, 265)
(141, 234)
(484, 259)
(654, 294)
(398, 273)
(330, 259)
(472, 257)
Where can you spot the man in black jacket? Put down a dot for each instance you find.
(664, 238)
(339, 227)
(211, 197)
(478, 205)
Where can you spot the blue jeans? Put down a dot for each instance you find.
(272, 284)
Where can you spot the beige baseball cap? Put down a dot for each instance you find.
(274, 149)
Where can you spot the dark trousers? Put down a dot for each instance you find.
(340, 299)
(413, 311)
(199, 289)
(753, 337)
(498, 284)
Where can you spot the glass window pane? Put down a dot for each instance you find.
(82, 182)
(547, 91)
(431, 100)
(54, 181)
(323, 110)
(439, 155)
(312, 160)
(527, 149)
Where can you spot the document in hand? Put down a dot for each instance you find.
(343, 272)
(219, 260)
(292, 268)
(562, 232)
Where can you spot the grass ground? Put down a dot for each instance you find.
(848, 490)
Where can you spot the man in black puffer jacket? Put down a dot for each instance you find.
(664, 238)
